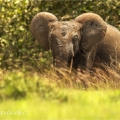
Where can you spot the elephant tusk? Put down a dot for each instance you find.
(71, 63)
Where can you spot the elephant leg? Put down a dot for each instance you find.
(76, 60)
(90, 57)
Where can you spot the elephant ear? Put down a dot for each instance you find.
(93, 30)
(40, 29)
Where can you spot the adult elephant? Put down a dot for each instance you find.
(80, 39)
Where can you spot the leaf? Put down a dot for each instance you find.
(21, 28)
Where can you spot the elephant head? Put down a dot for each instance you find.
(62, 37)
(68, 38)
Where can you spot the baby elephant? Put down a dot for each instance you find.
(62, 37)
(86, 37)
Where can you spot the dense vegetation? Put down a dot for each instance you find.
(18, 48)
(25, 69)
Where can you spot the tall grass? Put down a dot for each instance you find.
(47, 84)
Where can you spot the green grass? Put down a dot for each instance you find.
(34, 96)
(82, 105)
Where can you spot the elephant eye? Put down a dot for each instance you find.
(75, 38)
(63, 33)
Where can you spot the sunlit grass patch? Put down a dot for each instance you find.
(102, 104)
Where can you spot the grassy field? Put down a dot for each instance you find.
(33, 96)
(82, 105)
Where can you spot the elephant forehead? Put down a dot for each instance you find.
(70, 25)
(65, 25)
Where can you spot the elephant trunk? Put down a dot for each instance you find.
(64, 59)
(62, 65)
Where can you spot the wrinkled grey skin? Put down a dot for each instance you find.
(62, 37)
(79, 41)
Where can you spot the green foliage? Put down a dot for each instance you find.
(16, 44)
(21, 84)
(18, 48)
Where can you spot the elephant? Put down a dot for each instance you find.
(76, 42)
(61, 37)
